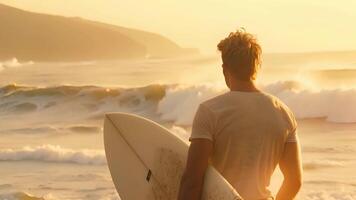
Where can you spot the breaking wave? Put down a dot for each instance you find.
(173, 103)
(54, 153)
(13, 63)
(48, 129)
(57, 154)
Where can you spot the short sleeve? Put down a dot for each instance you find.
(203, 124)
(292, 136)
(291, 122)
(292, 133)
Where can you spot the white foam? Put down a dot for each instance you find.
(334, 105)
(13, 63)
(54, 153)
(180, 103)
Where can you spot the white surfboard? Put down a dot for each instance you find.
(146, 161)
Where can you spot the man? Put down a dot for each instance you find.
(243, 133)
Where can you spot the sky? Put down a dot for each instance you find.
(280, 25)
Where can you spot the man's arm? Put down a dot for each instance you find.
(291, 167)
(193, 177)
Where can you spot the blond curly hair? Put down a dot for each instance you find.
(241, 54)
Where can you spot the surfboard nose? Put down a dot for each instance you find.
(116, 115)
(121, 119)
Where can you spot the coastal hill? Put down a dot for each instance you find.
(42, 37)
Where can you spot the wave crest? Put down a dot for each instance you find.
(54, 153)
(13, 63)
(174, 103)
(180, 103)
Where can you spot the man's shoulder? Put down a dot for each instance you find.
(227, 97)
(224, 99)
(277, 102)
(214, 101)
(284, 108)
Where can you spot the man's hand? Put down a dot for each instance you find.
(192, 181)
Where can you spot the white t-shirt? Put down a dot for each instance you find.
(249, 131)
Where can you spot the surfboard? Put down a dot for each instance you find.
(146, 161)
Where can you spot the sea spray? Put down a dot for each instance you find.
(54, 153)
(167, 103)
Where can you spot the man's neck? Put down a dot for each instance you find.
(243, 86)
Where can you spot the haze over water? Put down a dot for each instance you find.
(51, 113)
(51, 118)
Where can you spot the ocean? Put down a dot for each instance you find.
(51, 116)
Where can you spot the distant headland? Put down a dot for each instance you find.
(42, 37)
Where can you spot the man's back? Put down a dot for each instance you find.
(249, 131)
(244, 133)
